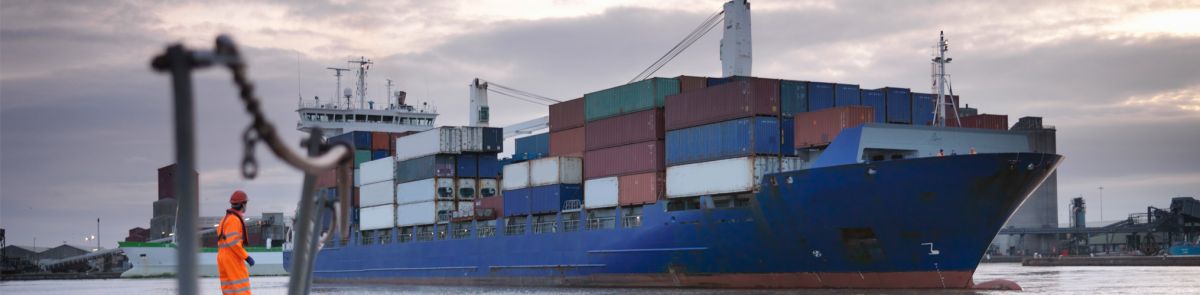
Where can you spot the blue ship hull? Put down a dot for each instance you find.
(915, 223)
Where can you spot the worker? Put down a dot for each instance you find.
(972, 150)
(941, 153)
(231, 252)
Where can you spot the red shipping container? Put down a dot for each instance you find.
(738, 99)
(822, 127)
(985, 121)
(691, 83)
(495, 204)
(625, 129)
(637, 189)
(327, 179)
(624, 160)
(566, 115)
(568, 142)
(381, 141)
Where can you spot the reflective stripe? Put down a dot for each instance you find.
(230, 243)
(230, 235)
(236, 282)
(239, 290)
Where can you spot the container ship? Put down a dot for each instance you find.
(728, 182)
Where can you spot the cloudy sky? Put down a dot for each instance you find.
(84, 123)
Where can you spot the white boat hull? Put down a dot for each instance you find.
(160, 261)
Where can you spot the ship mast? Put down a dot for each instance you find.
(364, 64)
(940, 81)
(338, 74)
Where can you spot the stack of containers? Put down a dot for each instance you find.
(623, 158)
(425, 175)
(567, 130)
(377, 199)
(542, 186)
(922, 108)
(722, 139)
(874, 98)
(899, 105)
(477, 171)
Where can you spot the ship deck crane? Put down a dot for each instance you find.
(480, 112)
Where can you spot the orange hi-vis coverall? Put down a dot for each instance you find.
(231, 255)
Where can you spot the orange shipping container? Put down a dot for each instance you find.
(381, 141)
(569, 143)
(985, 121)
(822, 127)
(689, 83)
(637, 189)
(566, 115)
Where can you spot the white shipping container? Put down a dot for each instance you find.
(441, 140)
(516, 176)
(424, 190)
(555, 170)
(377, 217)
(383, 169)
(466, 189)
(465, 209)
(600, 192)
(416, 213)
(488, 187)
(375, 194)
(724, 176)
(357, 176)
(472, 140)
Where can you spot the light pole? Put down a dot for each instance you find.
(1101, 205)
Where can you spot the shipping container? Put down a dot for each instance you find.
(362, 140)
(555, 170)
(381, 141)
(488, 187)
(482, 139)
(327, 178)
(377, 170)
(922, 108)
(554, 198)
(377, 217)
(516, 176)
(375, 155)
(627, 159)
(516, 202)
(392, 139)
(466, 165)
(822, 127)
(567, 115)
(568, 142)
(441, 140)
(361, 156)
(417, 213)
(846, 95)
(466, 189)
(628, 98)
(490, 207)
(425, 190)
(735, 175)
(464, 210)
(788, 126)
(638, 189)
(601, 192)
(537, 144)
(874, 98)
(489, 166)
(347, 138)
(793, 97)
(820, 96)
(426, 167)
(722, 140)
(625, 129)
(729, 101)
(691, 83)
(378, 193)
(985, 121)
(899, 105)
(522, 157)
(357, 178)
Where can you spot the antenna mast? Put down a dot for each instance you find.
(338, 74)
(388, 94)
(364, 64)
(939, 80)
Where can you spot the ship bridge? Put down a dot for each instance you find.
(333, 119)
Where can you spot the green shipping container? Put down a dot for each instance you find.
(629, 98)
(361, 156)
(793, 97)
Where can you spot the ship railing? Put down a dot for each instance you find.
(601, 223)
(366, 237)
(514, 229)
(545, 227)
(631, 221)
(425, 236)
(444, 217)
(461, 233)
(385, 238)
(405, 238)
(485, 231)
(441, 234)
(572, 205)
(570, 225)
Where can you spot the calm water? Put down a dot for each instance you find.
(1035, 280)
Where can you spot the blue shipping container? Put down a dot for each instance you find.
(489, 166)
(552, 198)
(899, 105)
(847, 95)
(793, 97)
(376, 155)
(875, 99)
(789, 137)
(922, 108)
(362, 140)
(723, 140)
(820, 96)
(425, 167)
(347, 138)
(537, 144)
(467, 165)
(516, 202)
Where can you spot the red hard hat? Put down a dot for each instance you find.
(237, 197)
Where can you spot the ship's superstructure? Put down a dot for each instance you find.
(346, 114)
